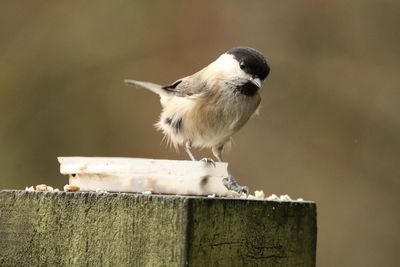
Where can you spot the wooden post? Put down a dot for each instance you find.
(104, 229)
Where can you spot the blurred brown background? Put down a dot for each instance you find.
(329, 127)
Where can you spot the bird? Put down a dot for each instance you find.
(205, 109)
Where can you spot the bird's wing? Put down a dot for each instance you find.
(187, 86)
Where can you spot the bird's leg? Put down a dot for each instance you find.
(188, 149)
(229, 182)
(209, 161)
(217, 151)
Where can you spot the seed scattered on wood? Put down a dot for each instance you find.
(41, 187)
(71, 188)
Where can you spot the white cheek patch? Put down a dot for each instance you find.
(228, 68)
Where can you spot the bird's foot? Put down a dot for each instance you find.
(209, 161)
(231, 184)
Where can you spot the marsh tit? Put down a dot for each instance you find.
(205, 109)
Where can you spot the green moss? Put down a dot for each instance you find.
(93, 229)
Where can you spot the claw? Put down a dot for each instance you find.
(231, 184)
(209, 161)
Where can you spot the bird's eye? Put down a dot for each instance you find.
(242, 66)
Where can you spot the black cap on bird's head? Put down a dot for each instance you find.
(251, 61)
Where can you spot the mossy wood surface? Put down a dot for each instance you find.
(102, 229)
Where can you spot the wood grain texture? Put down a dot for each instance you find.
(101, 229)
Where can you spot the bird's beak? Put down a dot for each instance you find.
(256, 82)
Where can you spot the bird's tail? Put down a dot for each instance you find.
(156, 88)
